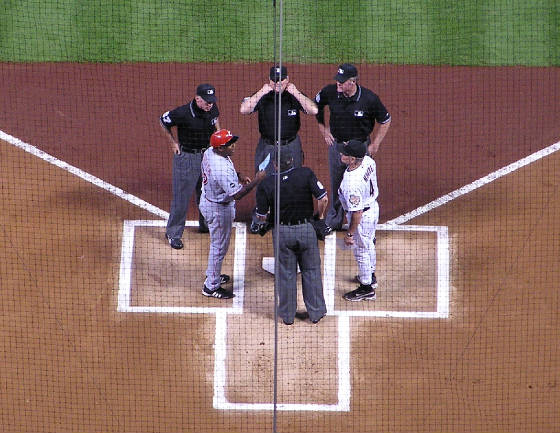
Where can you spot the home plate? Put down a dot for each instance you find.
(268, 265)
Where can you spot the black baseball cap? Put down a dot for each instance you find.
(207, 92)
(355, 148)
(286, 157)
(345, 72)
(278, 73)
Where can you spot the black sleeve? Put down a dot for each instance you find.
(317, 188)
(260, 102)
(214, 111)
(322, 100)
(380, 112)
(171, 118)
(262, 199)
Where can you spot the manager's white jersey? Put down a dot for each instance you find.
(219, 178)
(358, 189)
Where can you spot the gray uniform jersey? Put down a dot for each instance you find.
(219, 184)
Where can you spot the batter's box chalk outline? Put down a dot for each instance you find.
(220, 400)
(221, 313)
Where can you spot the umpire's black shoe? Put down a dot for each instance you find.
(219, 293)
(287, 322)
(175, 243)
(224, 279)
(302, 315)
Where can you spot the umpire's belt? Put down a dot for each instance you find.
(363, 140)
(189, 150)
(295, 222)
(282, 142)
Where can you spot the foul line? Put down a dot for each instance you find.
(477, 184)
(220, 376)
(84, 175)
(165, 215)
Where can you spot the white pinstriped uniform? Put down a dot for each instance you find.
(358, 191)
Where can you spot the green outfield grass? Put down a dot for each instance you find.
(470, 32)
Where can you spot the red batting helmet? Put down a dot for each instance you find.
(223, 137)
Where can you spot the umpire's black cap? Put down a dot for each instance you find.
(207, 92)
(286, 158)
(355, 148)
(345, 72)
(278, 73)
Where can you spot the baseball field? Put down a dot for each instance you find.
(103, 327)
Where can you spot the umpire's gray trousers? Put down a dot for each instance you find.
(298, 245)
(186, 180)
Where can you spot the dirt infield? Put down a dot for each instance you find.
(450, 125)
(72, 362)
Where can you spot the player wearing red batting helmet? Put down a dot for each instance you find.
(221, 186)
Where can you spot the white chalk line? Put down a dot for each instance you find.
(343, 336)
(343, 364)
(84, 175)
(477, 184)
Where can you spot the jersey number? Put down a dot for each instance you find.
(371, 188)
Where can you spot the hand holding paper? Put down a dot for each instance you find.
(264, 164)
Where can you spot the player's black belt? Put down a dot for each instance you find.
(282, 142)
(295, 222)
(366, 209)
(186, 149)
(217, 202)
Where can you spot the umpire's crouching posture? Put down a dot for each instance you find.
(297, 238)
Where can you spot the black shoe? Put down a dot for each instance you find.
(224, 279)
(304, 315)
(287, 322)
(175, 243)
(219, 293)
(362, 293)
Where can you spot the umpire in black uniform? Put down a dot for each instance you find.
(195, 123)
(354, 113)
(265, 102)
(297, 238)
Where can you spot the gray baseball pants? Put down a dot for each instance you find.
(298, 245)
(219, 218)
(186, 180)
